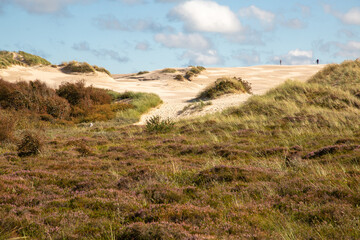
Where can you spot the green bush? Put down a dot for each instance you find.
(29, 145)
(155, 124)
(225, 85)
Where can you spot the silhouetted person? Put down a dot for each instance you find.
(280, 61)
(317, 61)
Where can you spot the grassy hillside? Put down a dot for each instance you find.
(8, 59)
(285, 165)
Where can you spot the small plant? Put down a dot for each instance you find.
(169, 70)
(142, 72)
(29, 145)
(155, 124)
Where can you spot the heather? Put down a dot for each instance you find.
(284, 165)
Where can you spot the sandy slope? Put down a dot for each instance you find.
(175, 94)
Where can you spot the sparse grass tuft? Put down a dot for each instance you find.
(142, 72)
(193, 72)
(156, 124)
(169, 70)
(101, 69)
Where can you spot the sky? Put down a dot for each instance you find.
(127, 36)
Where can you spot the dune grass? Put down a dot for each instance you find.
(169, 70)
(224, 86)
(284, 165)
(7, 59)
(22, 58)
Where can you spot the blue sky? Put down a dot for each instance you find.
(132, 35)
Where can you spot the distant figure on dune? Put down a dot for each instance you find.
(317, 61)
(280, 61)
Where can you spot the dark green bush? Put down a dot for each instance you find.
(29, 145)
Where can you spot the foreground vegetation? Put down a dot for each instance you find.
(285, 165)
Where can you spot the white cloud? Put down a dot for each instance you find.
(265, 17)
(206, 16)
(294, 23)
(247, 57)
(295, 57)
(143, 46)
(104, 53)
(192, 41)
(350, 17)
(209, 57)
(110, 22)
(46, 6)
(349, 50)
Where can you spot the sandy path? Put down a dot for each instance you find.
(176, 95)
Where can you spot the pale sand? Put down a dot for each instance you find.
(175, 94)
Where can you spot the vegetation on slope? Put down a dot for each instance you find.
(193, 72)
(8, 59)
(224, 86)
(282, 166)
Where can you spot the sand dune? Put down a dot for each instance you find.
(175, 94)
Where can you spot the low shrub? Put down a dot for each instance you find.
(7, 126)
(156, 124)
(225, 85)
(29, 145)
(34, 96)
